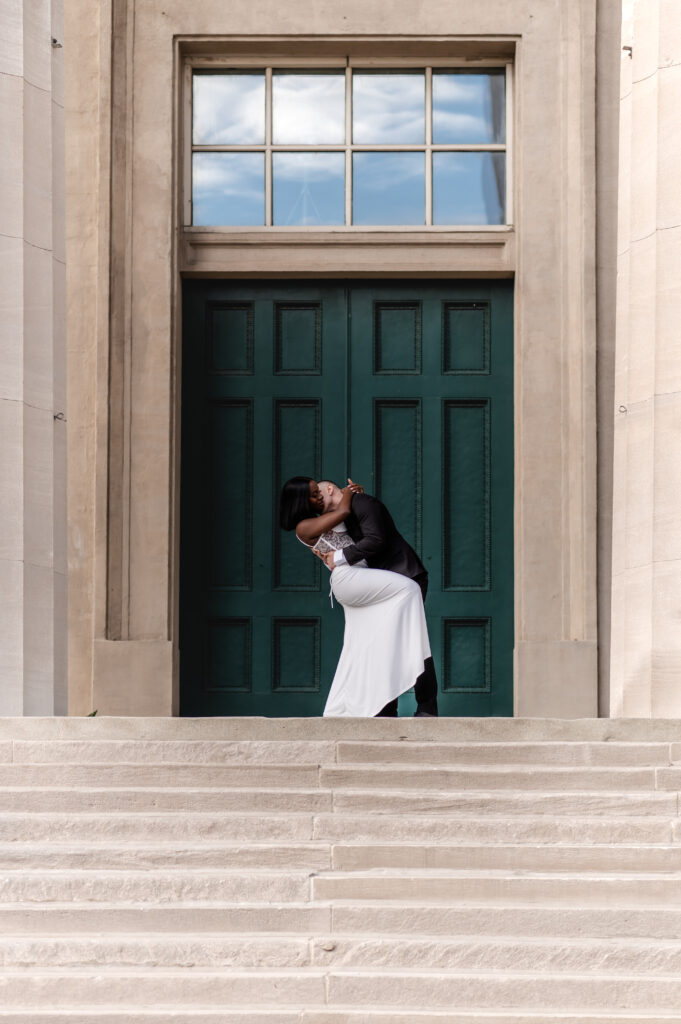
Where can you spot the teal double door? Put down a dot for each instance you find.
(408, 388)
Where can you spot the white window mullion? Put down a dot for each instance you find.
(509, 144)
(268, 147)
(187, 126)
(429, 147)
(348, 146)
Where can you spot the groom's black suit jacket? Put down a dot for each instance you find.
(377, 540)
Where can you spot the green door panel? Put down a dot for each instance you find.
(406, 387)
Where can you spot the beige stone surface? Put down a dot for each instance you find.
(162, 914)
(86, 102)
(555, 680)
(11, 180)
(11, 319)
(11, 633)
(645, 662)
(32, 508)
(38, 666)
(37, 180)
(564, 741)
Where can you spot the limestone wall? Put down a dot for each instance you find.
(646, 587)
(32, 360)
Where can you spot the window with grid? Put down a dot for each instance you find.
(349, 147)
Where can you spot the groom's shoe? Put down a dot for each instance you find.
(424, 714)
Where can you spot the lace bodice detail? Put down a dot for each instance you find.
(333, 540)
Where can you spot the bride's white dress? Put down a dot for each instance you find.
(386, 639)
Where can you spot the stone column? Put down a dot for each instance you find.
(32, 361)
(646, 589)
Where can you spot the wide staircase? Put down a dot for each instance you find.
(253, 871)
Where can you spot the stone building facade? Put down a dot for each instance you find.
(33, 440)
(585, 250)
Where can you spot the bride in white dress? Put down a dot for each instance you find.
(386, 639)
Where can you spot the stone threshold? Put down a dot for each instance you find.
(450, 730)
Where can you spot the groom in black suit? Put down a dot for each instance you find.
(377, 540)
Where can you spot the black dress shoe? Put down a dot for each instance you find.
(424, 714)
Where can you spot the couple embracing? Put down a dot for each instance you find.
(381, 583)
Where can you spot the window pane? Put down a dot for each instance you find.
(388, 188)
(308, 109)
(228, 188)
(469, 107)
(309, 188)
(229, 110)
(388, 109)
(469, 188)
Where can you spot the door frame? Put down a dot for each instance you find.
(125, 301)
(435, 390)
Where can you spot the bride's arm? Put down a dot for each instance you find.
(310, 529)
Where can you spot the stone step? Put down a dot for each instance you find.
(387, 917)
(495, 828)
(509, 856)
(430, 800)
(163, 854)
(100, 916)
(168, 989)
(355, 776)
(234, 827)
(250, 730)
(249, 885)
(186, 752)
(298, 801)
(226, 1015)
(427, 777)
(505, 802)
(273, 951)
(360, 856)
(318, 801)
(167, 776)
(578, 888)
(543, 754)
(246, 1015)
(517, 990)
(509, 919)
(108, 798)
(512, 954)
(348, 825)
(353, 750)
(158, 887)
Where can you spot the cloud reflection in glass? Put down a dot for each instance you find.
(469, 188)
(228, 189)
(388, 188)
(388, 109)
(229, 110)
(468, 107)
(308, 109)
(308, 188)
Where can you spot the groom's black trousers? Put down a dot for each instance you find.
(425, 687)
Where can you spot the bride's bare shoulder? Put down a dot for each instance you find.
(307, 530)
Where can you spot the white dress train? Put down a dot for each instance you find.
(386, 638)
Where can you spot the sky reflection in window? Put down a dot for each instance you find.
(469, 188)
(468, 107)
(308, 188)
(388, 109)
(388, 188)
(308, 109)
(228, 188)
(229, 110)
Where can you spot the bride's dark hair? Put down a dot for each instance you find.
(294, 502)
